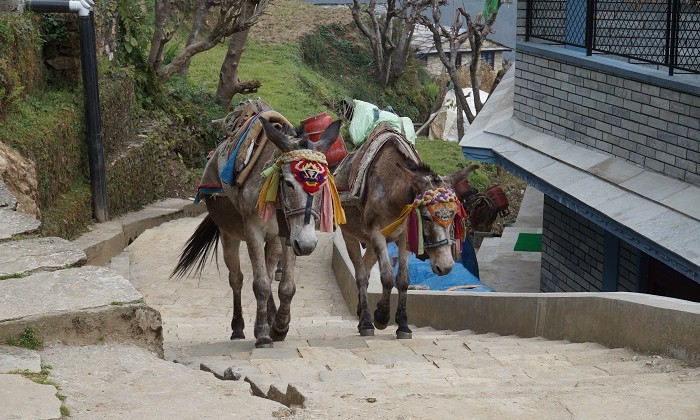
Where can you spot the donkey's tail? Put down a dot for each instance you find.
(194, 256)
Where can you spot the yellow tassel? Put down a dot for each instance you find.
(269, 189)
(396, 223)
(338, 212)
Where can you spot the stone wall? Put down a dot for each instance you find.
(626, 114)
(572, 251)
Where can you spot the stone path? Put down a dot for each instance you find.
(328, 369)
(323, 370)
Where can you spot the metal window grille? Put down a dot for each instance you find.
(661, 32)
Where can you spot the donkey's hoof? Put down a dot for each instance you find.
(403, 335)
(237, 335)
(278, 335)
(263, 343)
(369, 332)
(381, 319)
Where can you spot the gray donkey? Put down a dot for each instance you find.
(396, 183)
(242, 214)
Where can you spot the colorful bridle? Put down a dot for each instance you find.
(444, 207)
(310, 169)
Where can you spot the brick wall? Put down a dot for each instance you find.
(628, 268)
(572, 251)
(649, 125)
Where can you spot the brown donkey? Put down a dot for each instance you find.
(296, 173)
(397, 183)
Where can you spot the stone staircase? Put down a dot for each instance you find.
(326, 370)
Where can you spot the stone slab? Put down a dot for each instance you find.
(127, 382)
(13, 223)
(109, 239)
(7, 200)
(654, 186)
(38, 254)
(615, 170)
(63, 291)
(18, 358)
(686, 201)
(21, 398)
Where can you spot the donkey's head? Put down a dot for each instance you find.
(303, 173)
(430, 231)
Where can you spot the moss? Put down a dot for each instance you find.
(21, 71)
(117, 109)
(70, 213)
(47, 128)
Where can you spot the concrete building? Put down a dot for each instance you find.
(602, 114)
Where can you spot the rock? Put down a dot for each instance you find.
(17, 358)
(13, 223)
(39, 254)
(19, 176)
(7, 200)
(21, 398)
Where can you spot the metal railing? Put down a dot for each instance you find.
(661, 32)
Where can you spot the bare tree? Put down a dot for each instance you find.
(476, 32)
(390, 35)
(197, 22)
(230, 19)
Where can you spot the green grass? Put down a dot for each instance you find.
(12, 276)
(290, 87)
(445, 158)
(27, 339)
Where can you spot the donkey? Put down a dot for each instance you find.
(237, 217)
(397, 182)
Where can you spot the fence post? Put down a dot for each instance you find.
(590, 26)
(675, 17)
(528, 19)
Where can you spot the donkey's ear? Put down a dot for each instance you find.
(329, 136)
(410, 175)
(460, 175)
(277, 137)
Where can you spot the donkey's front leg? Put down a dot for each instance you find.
(386, 274)
(402, 282)
(261, 284)
(231, 247)
(365, 326)
(286, 291)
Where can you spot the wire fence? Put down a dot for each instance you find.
(661, 32)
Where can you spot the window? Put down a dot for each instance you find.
(489, 57)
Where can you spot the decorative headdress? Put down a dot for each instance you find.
(310, 169)
(444, 207)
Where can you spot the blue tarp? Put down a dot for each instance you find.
(421, 274)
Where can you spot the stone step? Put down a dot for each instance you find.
(82, 305)
(38, 254)
(14, 223)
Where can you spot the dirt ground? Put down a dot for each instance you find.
(287, 20)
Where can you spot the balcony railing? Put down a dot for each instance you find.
(661, 32)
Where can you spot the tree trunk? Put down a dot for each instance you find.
(460, 119)
(197, 24)
(162, 17)
(229, 83)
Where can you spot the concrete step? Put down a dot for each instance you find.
(82, 305)
(14, 223)
(38, 254)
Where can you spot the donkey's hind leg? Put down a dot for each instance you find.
(235, 280)
(286, 291)
(402, 282)
(386, 274)
(272, 256)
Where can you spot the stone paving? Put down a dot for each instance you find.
(327, 368)
(324, 369)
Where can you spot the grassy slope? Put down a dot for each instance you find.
(279, 69)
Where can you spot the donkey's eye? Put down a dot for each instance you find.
(288, 183)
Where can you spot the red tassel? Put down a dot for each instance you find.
(412, 233)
